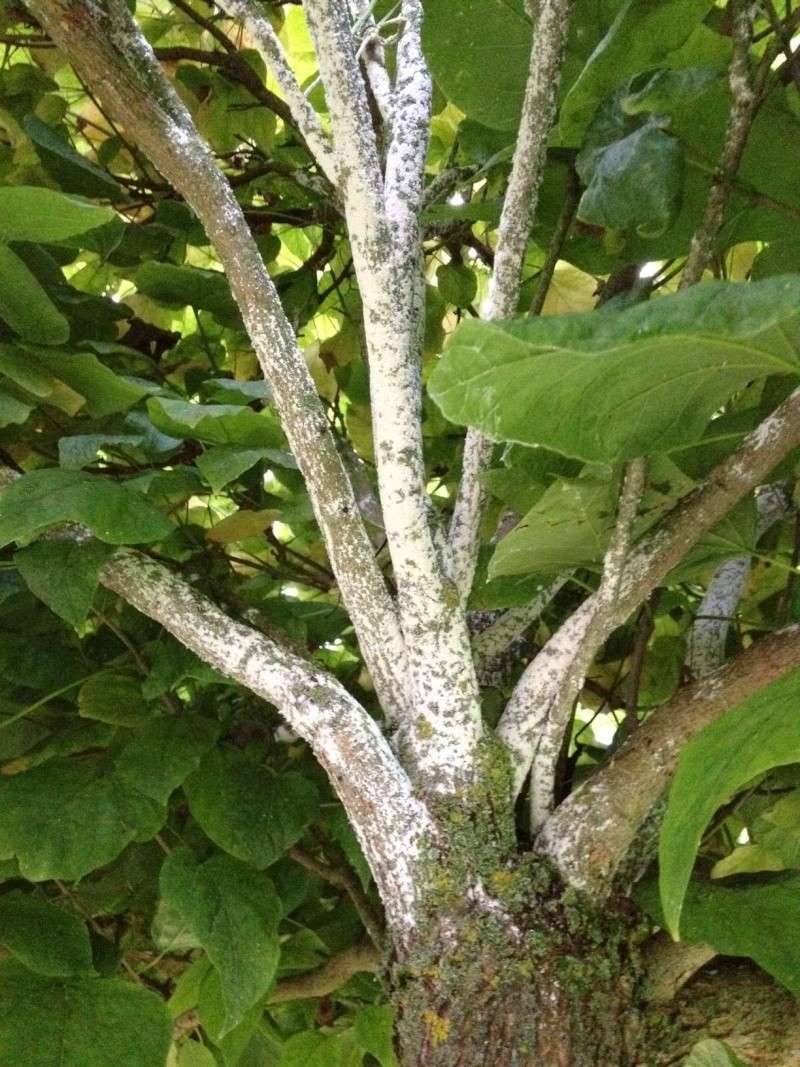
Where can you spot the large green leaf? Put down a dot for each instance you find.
(64, 574)
(72, 171)
(44, 498)
(46, 939)
(233, 912)
(761, 733)
(248, 812)
(757, 918)
(67, 817)
(189, 286)
(645, 34)
(615, 385)
(490, 36)
(215, 424)
(80, 1022)
(31, 213)
(106, 392)
(25, 305)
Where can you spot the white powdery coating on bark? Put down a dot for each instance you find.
(516, 220)
(443, 735)
(269, 45)
(391, 824)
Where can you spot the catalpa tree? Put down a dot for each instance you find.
(399, 414)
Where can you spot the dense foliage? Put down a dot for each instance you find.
(175, 867)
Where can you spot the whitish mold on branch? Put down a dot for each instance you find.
(550, 684)
(118, 63)
(441, 740)
(590, 834)
(392, 826)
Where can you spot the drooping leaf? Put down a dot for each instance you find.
(761, 733)
(189, 286)
(44, 938)
(114, 698)
(220, 466)
(44, 498)
(80, 1022)
(215, 424)
(32, 213)
(249, 813)
(233, 912)
(751, 919)
(73, 172)
(645, 34)
(655, 372)
(241, 525)
(64, 574)
(25, 305)
(106, 392)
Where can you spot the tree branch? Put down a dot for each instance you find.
(391, 824)
(743, 111)
(271, 50)
(519, 209)
(550, 734)
(358, 959)
(709, 634)
(590, 834)
(441, 742)
(492, 642)
(545, 693)
(112, 55)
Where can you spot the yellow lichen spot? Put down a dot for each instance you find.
(438, 1027)
(423, 728)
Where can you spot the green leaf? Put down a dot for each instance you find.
(245, 810)
(80, 1022)
(106, 393)
(45, 812)
(761, 733)
(23, 369)
(12, 410)
(632, 183)
(500, 50)
(313, 1048)
(31, 213)
(233, 912)
(644, 35)
(457, 284)
(73, 172)
(374, 1031)
(45, 939)
(114, 698)
(655, 372)
(756, 919)
(25, 305)
(215, 424)
(193, 1054)
(205, 290)
(711, 1053)
(64, 575)
(220, 466)
(44, 498)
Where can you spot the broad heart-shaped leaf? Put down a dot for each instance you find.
(644, 35)
(31, 213)
(66, 818)
(64, 574)
(761, 733)
(490, 36)
(113, 512)
(757, 918)
(25, 305)
(215, 424)
(219, 466)
(613, 385)
(633, 183)
(314, 1048)
(233, 912)
(374, 1030)
(711, 1053)
(80, 1022)
(46, 939)
(248, 812)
